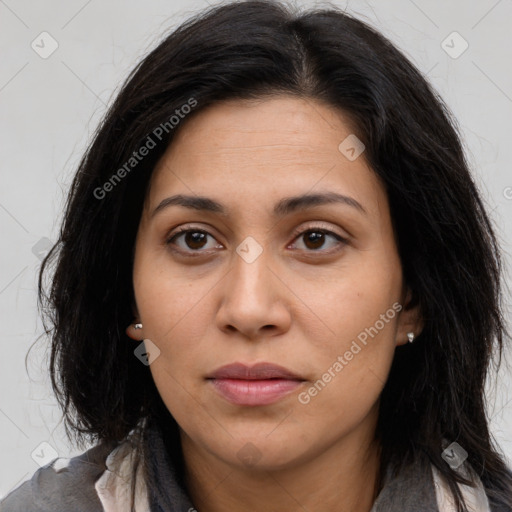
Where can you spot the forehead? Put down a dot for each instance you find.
(258, 149)
(277, 123)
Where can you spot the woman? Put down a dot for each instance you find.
(276, 285)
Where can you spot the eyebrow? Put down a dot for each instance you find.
(283, 207)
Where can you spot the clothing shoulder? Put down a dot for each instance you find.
(62, 485)
(475, 497)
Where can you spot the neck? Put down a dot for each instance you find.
(343, 477)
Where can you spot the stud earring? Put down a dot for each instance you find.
(410, 337)
(137, 326)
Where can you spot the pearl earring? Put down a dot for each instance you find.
(410, 337)
(137, 326)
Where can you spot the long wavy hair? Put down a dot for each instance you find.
(446, 241)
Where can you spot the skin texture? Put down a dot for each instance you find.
(301, 303)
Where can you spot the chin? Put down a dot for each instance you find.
(258, 450)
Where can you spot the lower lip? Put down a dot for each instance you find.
(254, 392)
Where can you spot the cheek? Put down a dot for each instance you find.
(175, 312)
(169, 297)
(353, 357)
(337, 305)
(353, 368)
(177, 323)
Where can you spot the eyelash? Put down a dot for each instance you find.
(310, 229)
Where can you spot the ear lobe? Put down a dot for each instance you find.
(410, 320)
(129, 332)
(133, 333)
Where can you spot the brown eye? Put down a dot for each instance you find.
(314, 239)
(191, 240)
(195, 239)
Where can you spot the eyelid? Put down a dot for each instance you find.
(189, 227)
(311, 226)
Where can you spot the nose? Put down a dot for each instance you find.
(254, 300)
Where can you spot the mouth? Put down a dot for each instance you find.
(260, 384)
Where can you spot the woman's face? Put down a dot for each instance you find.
(262, 274)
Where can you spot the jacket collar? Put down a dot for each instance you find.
(417, 486)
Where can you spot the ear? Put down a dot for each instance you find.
(131, 332)
(134, 334)
(410, 319)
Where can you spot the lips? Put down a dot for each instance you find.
(259, 371)
(260, 384)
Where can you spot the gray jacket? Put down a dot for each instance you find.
(99, 481)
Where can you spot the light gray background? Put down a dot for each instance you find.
(50, 107)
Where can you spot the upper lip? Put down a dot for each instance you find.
(259, 371)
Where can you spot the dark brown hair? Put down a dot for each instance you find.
(449, 252)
